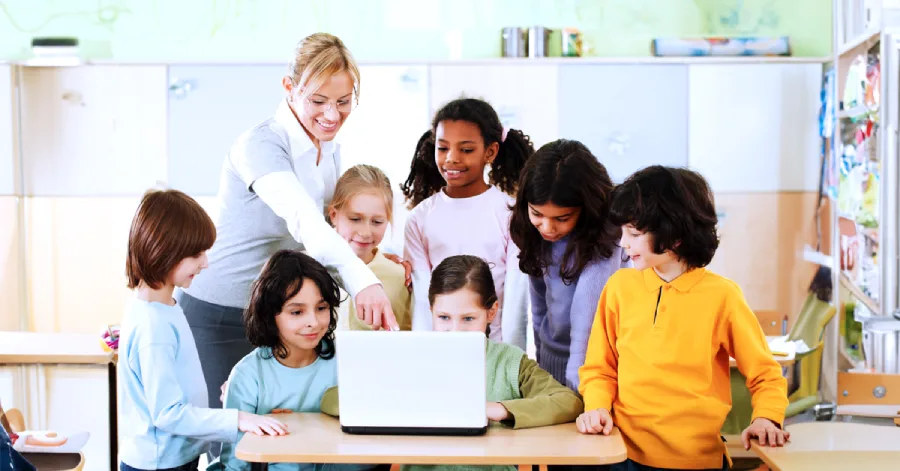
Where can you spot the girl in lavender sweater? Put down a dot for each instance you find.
(568, 249)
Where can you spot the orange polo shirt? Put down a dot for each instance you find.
(658, 359)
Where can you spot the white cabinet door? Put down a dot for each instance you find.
(525, 96)
(209, 107)
(629, 116)
(93, 130)
(384, 129)
(7, 112)
(754, 127)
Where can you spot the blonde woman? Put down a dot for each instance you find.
(276, 182)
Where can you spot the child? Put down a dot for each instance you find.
(360, 212)
(456, 212)
(657, 360)
(290, 320)
(520, 393)
(164, 420)
(568, 249)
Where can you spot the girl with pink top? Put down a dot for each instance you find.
(454, 211)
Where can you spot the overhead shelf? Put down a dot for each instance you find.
(859, 295)
(860, 44)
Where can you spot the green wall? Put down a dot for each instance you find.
(266, 30)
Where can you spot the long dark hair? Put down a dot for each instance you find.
(566, 174)
(280, 280)
(424, 177)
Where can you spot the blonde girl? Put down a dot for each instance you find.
(360, 212)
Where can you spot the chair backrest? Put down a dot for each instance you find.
(811, 322)
(16, 421)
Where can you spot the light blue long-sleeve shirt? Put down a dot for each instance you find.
(259, 384)
(164, 420)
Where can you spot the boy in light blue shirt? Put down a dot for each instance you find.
(165, 423)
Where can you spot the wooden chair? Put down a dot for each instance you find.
(45, 461)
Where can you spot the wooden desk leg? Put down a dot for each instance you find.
(113, 418)
(259, 466)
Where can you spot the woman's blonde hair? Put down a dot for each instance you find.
(319, 56)
(362, 179)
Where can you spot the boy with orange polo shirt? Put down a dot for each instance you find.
(657, 361)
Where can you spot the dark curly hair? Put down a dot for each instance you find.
(281, 280)
(675, 206)
(566, 174)
(424, 177)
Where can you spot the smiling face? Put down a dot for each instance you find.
(183, 273)
(303, 319)
(362, 222)
(323, 110)
(461, 157)
(639, 247)
(461, 311)
(553, 222)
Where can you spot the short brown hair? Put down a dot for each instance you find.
(361, 179)
(168, 227)
(319, 56)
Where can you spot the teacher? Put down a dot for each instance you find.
(274, 185)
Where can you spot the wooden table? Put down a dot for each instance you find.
(38, 348)
(835, 446)
(317, 438)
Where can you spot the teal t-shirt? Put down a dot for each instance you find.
(260, 384)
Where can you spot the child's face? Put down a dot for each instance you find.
(304, 318)
(183, 273)
(461, 311)
(460, 153)
(639, 246)
(552, 221)
(362, 222)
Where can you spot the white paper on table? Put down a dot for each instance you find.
(74, 443)
(783, 345)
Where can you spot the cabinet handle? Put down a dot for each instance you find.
(618, 143)
(181, 88)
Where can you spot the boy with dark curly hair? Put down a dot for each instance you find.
(657, 361)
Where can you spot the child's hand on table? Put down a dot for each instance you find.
(594, 422)
(496, 412)
(260, 424)
(766, 432)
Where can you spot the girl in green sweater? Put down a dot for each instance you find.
(520, 394)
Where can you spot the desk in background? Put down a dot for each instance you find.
(835, 446)
(36, 348)
(317, 438)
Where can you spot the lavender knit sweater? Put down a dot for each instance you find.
(563, 314)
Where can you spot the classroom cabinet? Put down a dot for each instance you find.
(7, 113)
(754, 127)
(525, 96)
(117, 143)
(384, 129)
(629, 116)
(11, 281)
(209, 106)
(761, 235)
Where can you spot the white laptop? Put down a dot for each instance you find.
(412, 383)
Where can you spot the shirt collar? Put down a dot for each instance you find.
(683, 283)
(300, 141)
